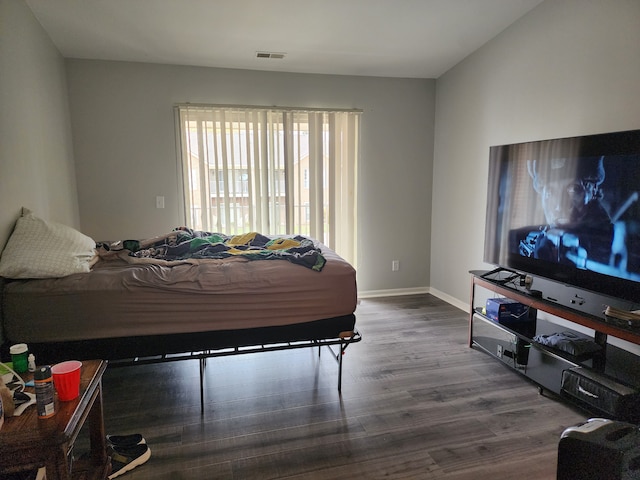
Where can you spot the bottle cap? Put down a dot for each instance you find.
(43, 373)
(18, 348)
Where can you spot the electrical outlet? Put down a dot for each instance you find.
(395, 265)
(159, 202)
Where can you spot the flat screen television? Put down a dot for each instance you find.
(568, 209)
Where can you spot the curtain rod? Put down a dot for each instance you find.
(271, 107)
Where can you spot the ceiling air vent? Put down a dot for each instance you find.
(274, 55)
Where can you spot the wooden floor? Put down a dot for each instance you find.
(416, 403)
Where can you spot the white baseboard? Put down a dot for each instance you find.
(415, 291)
(393, 292)
(449, 299)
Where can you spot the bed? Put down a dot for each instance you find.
(145, 301)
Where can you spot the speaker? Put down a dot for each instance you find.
(599, 449)
(605, 394)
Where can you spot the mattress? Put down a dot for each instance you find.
(117, 299)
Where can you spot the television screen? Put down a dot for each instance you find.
(568, 209)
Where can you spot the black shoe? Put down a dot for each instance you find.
(126, 459)
(125, 440)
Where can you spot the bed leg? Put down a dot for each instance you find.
(202, 365)
(340, 355)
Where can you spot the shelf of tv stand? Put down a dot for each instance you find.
(604, 382)
(598, 324)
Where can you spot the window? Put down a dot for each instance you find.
(271, 170)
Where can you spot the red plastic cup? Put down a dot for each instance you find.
(66, 379)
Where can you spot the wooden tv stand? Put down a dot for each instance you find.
(611, 371)
(601, 328)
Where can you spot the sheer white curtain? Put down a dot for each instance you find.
(271, 170)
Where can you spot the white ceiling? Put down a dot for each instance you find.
(390, 38)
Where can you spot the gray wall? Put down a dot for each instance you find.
(125, 151)
(36, 155)
(569, 67)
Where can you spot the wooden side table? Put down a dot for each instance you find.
(27, 442)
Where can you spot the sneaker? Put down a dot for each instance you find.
(125, 440)
(126, 459)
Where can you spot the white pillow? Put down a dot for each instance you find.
(41, 249)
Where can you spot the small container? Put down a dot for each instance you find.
(32, 362)
(43, 382)
(19, 359)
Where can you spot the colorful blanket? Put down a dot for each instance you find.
(184, 243)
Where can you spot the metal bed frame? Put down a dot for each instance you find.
(342, 341)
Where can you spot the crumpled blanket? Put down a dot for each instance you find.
(569, 342)
(184, 244)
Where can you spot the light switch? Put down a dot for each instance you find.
(159, 202)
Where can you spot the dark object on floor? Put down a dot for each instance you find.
(600, 393)
(599, 449)
(126, 459)
(124, 441)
